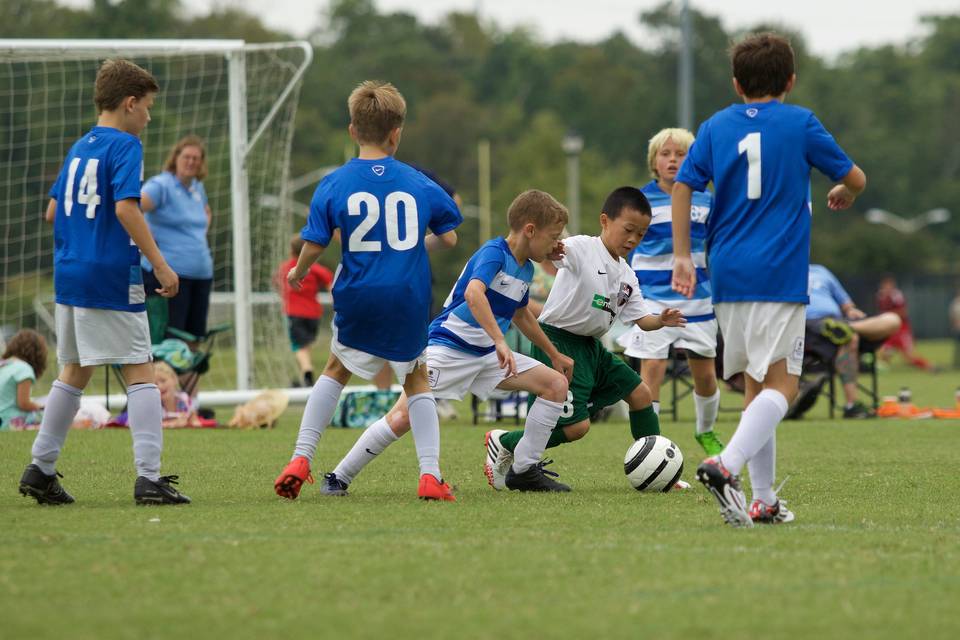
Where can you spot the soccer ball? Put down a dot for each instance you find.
(653, 463)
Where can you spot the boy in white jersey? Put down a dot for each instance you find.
(101, 318)
(758, 155)
(594, 287)
(652, 261)
(467, 350)
(383, 209)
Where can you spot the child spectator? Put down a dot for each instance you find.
(24, 360)
(178, 407)
(301, 308)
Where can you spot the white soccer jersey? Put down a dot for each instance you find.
(592, 289)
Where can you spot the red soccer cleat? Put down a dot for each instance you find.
(288, 483)
(432, 489)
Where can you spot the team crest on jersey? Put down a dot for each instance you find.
(378, 169)
(625, 292)
(752, 112)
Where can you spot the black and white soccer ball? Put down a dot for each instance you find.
(653, 463)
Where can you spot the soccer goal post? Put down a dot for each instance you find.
(240, 98)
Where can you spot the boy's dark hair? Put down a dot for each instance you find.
(118, 79)
(536, 207)
(626, 198)
(763, 64)
(29, 346)
(296, 244)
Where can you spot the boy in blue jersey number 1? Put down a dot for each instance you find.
(467, 350)
(381, 293)
(594, 287)
(652, 261)
(101, 319)
(758, 155)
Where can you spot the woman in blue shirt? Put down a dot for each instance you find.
(178, 214)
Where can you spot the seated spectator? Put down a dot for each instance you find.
(178, 407)
(24, 360)
(833, 314)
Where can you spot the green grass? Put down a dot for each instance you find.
(874, 553)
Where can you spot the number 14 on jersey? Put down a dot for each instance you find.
(87, 193)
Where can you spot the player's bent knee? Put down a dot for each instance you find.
(555, 389)
(640, 397)
(576, 431)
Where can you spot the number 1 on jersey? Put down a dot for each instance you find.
(751, 144)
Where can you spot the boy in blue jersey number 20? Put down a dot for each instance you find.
(758, 155)
(467, 350)
(99, 233)
(381, 293)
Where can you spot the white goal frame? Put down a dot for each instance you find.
(241, 144)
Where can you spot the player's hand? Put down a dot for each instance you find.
(672, 318)
(856, 314)
(840, 198)
(168, 279)
(505, 357)
(684, 276)
(293, 279)
(563, 364)
(557, 252)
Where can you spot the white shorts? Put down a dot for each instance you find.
(453, 373)
(91, 337)
(367, 365)
(698, 337)
(757, 334)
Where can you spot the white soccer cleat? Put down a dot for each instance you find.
(498, 461)
(680, 485)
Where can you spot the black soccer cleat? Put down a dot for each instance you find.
(333, 486)
(536, 478)
(147, 491)
(43, 488)
(725, 487)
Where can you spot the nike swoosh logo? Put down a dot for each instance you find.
(504, 282)
(370, 452)
(601, 273)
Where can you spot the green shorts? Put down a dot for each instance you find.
(600, 378)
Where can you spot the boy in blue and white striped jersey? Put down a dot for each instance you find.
(652, 261)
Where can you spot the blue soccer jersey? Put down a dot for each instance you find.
(508, 289)
(381, 295)
(759, 157)
(652, 260)
(95, 263)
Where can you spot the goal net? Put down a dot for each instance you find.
(240, 98)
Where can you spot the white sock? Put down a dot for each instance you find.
(62, 405)
(371, 443)
(425, 426)
(316, 415)
(146, 428)
(656, 407)
(541, 420)
(757, 423)
(763, 470)
(706, 408)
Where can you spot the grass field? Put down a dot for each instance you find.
(874, 553)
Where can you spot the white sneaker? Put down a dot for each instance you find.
(445, 410)
(498, 461)
(681, 486)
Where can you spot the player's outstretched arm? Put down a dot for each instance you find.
(851, 186)
(51, 211)
(476, 297)
(667, 318)
(130, 216)
(527, 323)
(308, 255)
(684, 279)
(434, 242)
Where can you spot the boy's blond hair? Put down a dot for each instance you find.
(376, 109)
(681, 137)
(184, 142)
(536, 207)
(118, 79)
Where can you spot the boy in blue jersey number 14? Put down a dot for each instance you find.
(467, 351)
(758, 155)
(101, 319)
(652, 261)
(381, 293)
